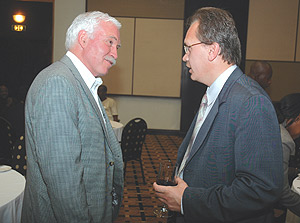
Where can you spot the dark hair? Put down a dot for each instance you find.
(103, 87)
(217, 25)
(258, 68)
(288, 108)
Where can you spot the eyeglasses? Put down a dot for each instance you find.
(187, 48)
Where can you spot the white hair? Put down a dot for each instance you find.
(87, 21)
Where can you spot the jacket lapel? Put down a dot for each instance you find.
(182, 148)
(66, 60)
(208, 122)
(203, 131)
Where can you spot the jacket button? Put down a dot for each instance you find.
(111, 163)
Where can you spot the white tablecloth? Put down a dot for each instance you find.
(290, 216)
(118, 128)
(12, 185)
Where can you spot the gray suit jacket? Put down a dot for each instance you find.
(73, 160)
(234, 171)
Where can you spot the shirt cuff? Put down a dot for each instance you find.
(181, 207)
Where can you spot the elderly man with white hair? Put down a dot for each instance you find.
(75, 166)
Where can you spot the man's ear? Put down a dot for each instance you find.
(214, 51)
(82, 38)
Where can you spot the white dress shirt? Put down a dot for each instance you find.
(89, 79)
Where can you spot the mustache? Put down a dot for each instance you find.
(111, 59)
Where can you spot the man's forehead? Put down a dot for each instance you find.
(110, 29)
(191, 33)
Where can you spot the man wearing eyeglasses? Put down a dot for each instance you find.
(75, 165)
(230, 162)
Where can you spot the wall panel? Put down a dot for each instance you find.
(272, 29)
(157, 60)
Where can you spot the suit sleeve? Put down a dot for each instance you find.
(59, 149)
(258, 173)
(289, 198)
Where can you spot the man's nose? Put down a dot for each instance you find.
(185, 57)
(114, 52)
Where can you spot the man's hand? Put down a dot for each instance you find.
(171, 195)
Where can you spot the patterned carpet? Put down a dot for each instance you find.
(139, 199)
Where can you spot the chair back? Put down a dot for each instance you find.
(133, 138)
(19, 158)
(6, 141)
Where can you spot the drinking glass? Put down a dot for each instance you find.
(165, 177)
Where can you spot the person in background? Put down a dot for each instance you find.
(261, 72)
(13, 111)
(230, 161)
(108, 103)
(288, 112)
(75, 165)
(6, 102)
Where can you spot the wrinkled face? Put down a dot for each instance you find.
(100, 51)
(196, 56)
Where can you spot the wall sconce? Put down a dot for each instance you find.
(19, 18)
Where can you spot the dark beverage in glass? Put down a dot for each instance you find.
(165, 182)
(165, 177)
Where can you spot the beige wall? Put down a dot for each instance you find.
(272, 36)
(160, 113)
(149, 61)
(146, 65)
(164, 113)
(64, 13)
(272, 30)
(285, 79)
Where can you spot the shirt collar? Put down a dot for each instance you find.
(86, 75)
(214, 90)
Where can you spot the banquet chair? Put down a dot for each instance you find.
(6, 141)
(133, 138)
(18, 161)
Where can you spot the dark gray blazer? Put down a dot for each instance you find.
(73, 160)
(234, 171)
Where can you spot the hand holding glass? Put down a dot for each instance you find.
(165, 177)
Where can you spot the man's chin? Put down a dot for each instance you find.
(101, 74)
(192, 77)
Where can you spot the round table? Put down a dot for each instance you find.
(12, 185)
(118, 128)
(290, 216)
